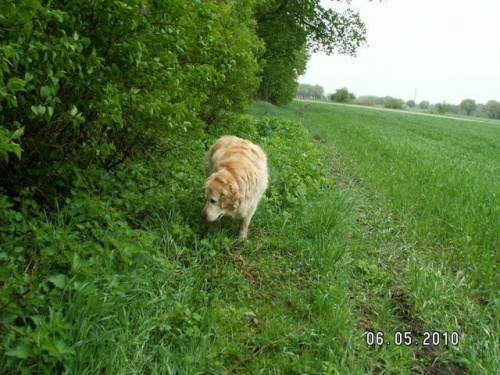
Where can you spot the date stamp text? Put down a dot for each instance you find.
(407, 338)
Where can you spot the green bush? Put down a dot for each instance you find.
(342, 96)
(493, 109)
(93, 82)
(393, 103)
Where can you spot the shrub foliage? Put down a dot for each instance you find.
(342, 96)
(103, 80)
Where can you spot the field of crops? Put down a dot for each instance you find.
(427, 195)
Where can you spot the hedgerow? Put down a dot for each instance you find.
(94, 82)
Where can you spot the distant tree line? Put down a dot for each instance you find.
(467, 107)
(305, 91)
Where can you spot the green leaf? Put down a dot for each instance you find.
(38, 110)
(35, 4)
(20, 351)
(58, 348)
(5, 155)
(45, 92)
(12, 100)
(77, 263)
(60, 281)
(18, 133)
(16, 84)
(16, 149)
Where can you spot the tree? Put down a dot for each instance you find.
(318, 92)
(424, 104)
(305, 91)
(366, 100)
(411, 103)
(342, 96)
(493, 109)
(442, 108)
(291, 30)
(393, 103)
(453, 108)
(468, 106)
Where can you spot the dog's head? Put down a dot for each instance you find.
(222, 194)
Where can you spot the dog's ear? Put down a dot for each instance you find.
(230, 196)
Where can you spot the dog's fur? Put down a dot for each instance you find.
(237, 177)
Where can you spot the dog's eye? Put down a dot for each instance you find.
(212, 201)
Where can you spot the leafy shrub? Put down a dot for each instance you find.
(94, 82)
(342, 96)
(366, 100)
(393, 103)
(442, 108)
(493, 109)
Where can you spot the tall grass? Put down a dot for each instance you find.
(130, 280)
(437, 182)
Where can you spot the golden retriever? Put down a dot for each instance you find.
(237, 178)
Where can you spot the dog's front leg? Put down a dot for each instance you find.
(244, 226)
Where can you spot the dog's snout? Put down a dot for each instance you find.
(203, 214)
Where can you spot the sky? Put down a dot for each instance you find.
(440, 50)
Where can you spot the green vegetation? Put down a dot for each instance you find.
(443, 107)
(305, 91)
(124, 277)
(342, 96)
(393, 103)
(426, 240)
(383, 223)
(424, 104)
(92, 82)
(293, 29)
(411, 104)
(95, 83)
(493, 109)
(468, 106)
(106, 111)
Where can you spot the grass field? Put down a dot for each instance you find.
(377, 226)
(427, 192)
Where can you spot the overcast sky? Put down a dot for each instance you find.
(448, 50)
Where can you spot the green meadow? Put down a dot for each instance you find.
(375, 250)
(426, 193)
